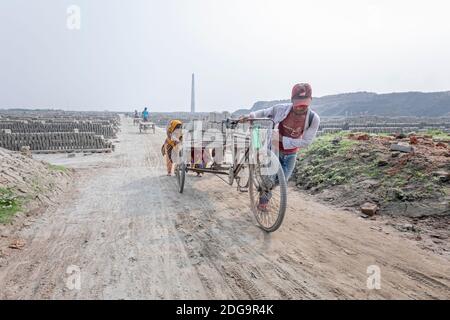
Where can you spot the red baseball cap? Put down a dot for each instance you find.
(301, 91)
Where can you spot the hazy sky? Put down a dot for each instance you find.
(131, 54)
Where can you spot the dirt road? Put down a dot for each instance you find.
(125, 233)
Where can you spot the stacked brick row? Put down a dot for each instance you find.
(56, 141)
(385, 129)
(383, 125)
(378, 130)
(101, 128)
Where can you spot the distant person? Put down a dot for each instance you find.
(173, 138)
(145, 114)
(297, 126)
(136, 117)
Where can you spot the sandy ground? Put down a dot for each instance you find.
(124, 232)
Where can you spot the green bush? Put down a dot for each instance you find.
(438, 134)
(55, 167)
(9, 205)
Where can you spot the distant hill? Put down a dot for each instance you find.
(433, 104)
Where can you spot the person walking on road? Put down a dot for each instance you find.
(173, 133)
(145, 114)
(297, 127)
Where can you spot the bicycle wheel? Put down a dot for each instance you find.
(243, 177)
(271, 217)
(180, 172)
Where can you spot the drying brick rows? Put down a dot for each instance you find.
(58, 131)
(60, 141)
(379, 125)
(103, 129)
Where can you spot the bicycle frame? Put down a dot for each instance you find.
(237, 163)
(256, 186)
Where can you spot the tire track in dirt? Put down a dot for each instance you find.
(245, 285)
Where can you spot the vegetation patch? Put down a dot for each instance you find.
(9, 205)
(351, 169)
(55, 167)
(439, 134)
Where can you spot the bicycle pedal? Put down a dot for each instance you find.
(243, 190)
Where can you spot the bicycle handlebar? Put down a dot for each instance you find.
(232, 123)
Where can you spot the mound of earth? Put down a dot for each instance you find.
(410, 189)
(27, 186)
(352, 169)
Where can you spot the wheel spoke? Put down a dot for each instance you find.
(271, 218)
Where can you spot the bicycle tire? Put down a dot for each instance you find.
(180, 173)
(254, 200)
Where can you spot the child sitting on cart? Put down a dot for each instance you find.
(199, 156)
(199, 159)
